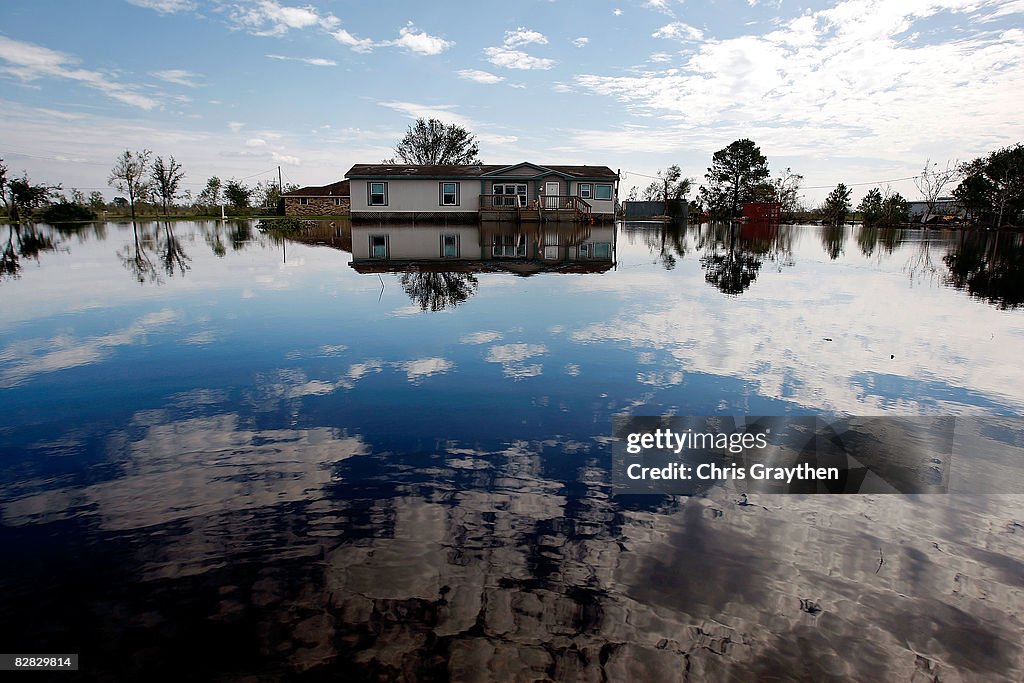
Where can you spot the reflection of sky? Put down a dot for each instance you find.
(257, 411)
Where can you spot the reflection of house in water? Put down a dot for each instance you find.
(489, 247)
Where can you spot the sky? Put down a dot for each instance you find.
(856, 91)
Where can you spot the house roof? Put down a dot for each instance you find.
(474, 171)
(338, 189)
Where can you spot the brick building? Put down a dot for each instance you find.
(329, 200)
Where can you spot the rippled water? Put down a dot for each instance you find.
(234, 456)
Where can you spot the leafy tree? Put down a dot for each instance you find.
(870, 207)
(670, 185)
(166, 176)
(210, 196)
(895, 209)
(974, 194)
(837, 204)
(434, 142)
(96, 202)
(65, 212)
(733, 178)
(24, 197)
(130, 175)
(237, 194)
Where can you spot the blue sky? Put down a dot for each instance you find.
(855, 91)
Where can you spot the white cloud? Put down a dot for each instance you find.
(165, 6)
(678, 30)
(617, 12)
(178, 77)
(482, 337)
(416, 370)
(746, 86)
(512, 358)
(235, 126)
(269, 18)
(480, 76)
(524, 36)
(288, 159)
(313, 61)
(255, 142)
(30, 62)
(516, 59)
(581, 41)
(442, 112)
(357, 44)
(420, 42)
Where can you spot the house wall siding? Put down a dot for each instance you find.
(316, 206)
(416, 195)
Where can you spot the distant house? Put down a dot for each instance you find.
(520, 192)
(329, 200)
(944, 206)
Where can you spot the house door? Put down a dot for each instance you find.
(551, 195)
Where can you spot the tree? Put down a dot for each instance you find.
(130, 175)
(670, 185)
(895, 209)
(837, 205)
(870, 207)
(992, 189)
(96, 202)
(434, 142)
(786, 191)
(733, 178)
(237, 194)
(23, 197)
(932, 182)
(210, 196)
(166, 176)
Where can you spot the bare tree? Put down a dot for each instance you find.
(933, 181)
(129, 175)
(166, 176)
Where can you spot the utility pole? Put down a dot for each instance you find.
(280, 183)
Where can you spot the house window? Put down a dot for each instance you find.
(509, 194)
(603, 192)
(377, 194)
(337, 201)
(449, 246)
(602, 250)
(449, 194)
(304, 200)
(586, 190)
(379, 246)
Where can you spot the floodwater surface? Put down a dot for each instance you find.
(382, 452)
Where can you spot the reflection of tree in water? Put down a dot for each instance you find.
(833, 237)
(733, 271)
(23, 241)
(241, 233)
(438, 291)
(172, 253)
(135, 256)
(989, 267)
(871, 237)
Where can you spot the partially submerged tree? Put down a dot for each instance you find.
(210, 196)
(237, 194)
(130, 174)
(670, 185)
(933, 181)
(433, 142)
(735, 174)
(167, 177)
(870, 207)
(837, 205)
(22, 197)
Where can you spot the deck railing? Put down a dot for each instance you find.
(547, 202)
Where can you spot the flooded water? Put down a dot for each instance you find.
(382, 453)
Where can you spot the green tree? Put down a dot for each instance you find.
(434, 142)
(837, 205)
(130, 174)
(895, 209)
(670, 185)
(23, 196)
(733, 178)
(167, 177)
(237, 194)
(96, 202)
(870, 207)
(210, 196)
